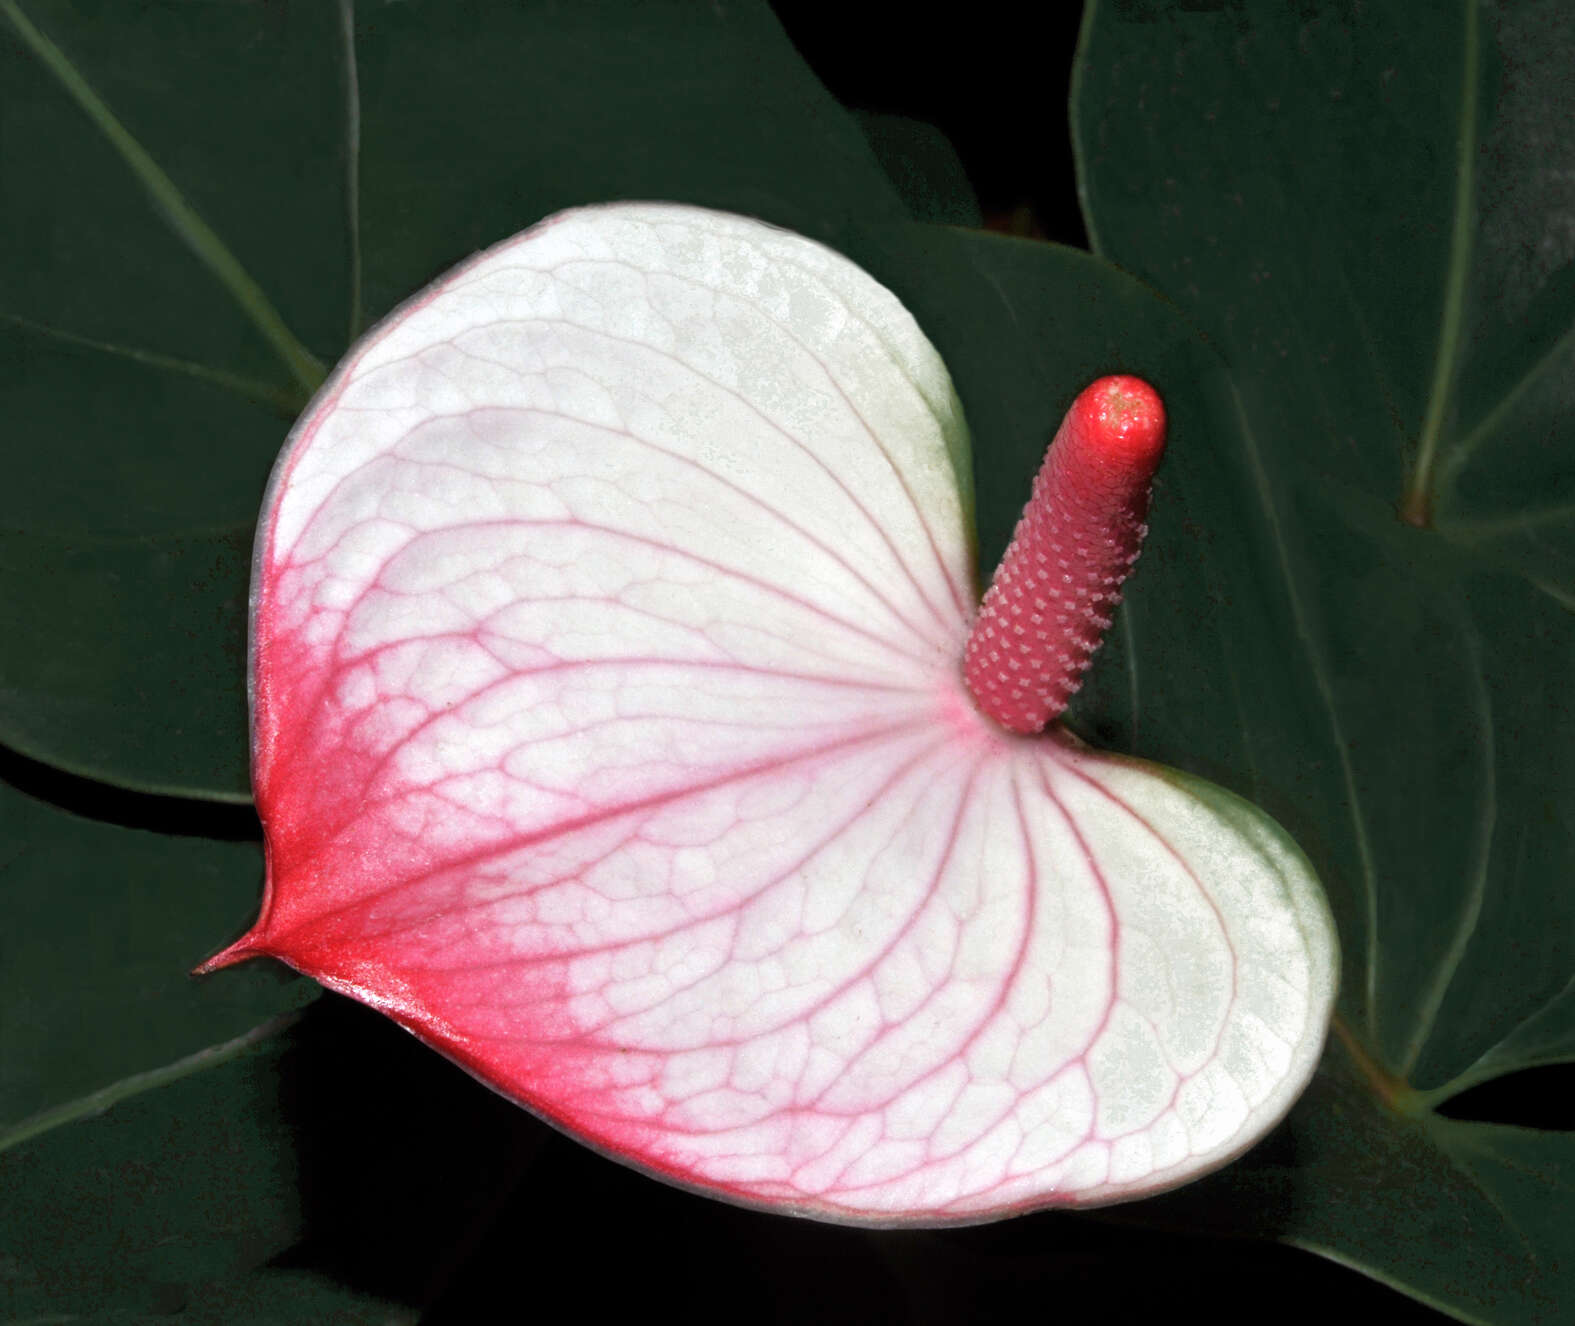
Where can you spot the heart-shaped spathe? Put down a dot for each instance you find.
(610, 735)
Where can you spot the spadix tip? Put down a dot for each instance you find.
(1122, 418)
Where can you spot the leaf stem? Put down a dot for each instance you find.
(196, 232)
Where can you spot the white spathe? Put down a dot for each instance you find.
(609, 613)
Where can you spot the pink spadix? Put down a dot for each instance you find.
(1051, 600)
(610, 733)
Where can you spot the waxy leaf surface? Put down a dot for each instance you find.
(1368, 213)
(142, 1147)
(609, 734)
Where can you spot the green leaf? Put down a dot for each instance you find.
(1471, 1218)
(1368, 214)
(102, 926)
(142, 1145)
(167, 1191)
(184, 247)
(924, 168)
(80, 683)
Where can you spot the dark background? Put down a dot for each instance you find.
(995, 88)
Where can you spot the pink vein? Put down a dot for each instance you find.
(957, 596)
(605, 813)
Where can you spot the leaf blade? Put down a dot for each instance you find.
(187, 223)
(1299, 184)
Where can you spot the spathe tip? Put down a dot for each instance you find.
(249, 945)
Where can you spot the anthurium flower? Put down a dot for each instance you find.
(617, 731)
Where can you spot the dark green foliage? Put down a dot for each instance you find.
(1345, 251)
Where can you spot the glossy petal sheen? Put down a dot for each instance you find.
(610, 735)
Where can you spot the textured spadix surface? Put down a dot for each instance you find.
(610, 734)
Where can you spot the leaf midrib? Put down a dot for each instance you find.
(352, 167)
(286, 401)
(106, 1097)
(1417, 504)
(170, 203)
